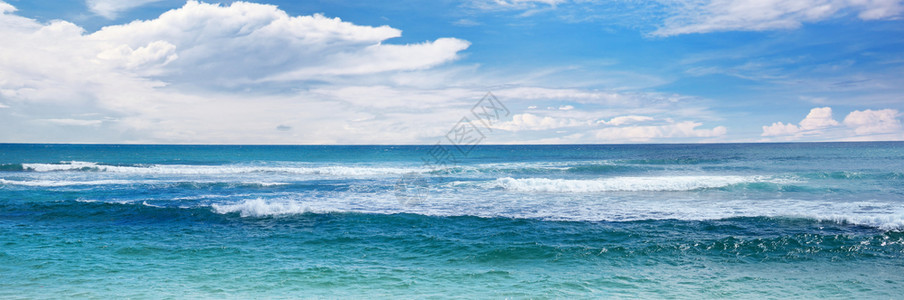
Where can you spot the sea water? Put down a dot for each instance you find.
(723, 220)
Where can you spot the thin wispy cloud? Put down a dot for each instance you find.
(760, 15)
(111, 9)
(688, 17)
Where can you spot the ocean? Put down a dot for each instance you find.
(802, 220)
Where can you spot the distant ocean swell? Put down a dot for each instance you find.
(537, 168)
(876, 214)
(568, 190)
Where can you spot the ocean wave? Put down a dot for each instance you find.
(259, 207)
(601, 169)
(586, 167)
(62, 166)
(11, 167)
(218, 170)
(854, 175)
(571, 167)
(624, 184)
(880, 215)
(885, 222)
(196, 184)
(677, 161)
(54, 183)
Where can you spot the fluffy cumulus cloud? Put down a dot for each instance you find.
(203, 73)
(857, 125)
(779, 129)
(873, 121)
(247, 43)
(757, 15)
(818, 118)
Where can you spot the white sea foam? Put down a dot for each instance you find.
(62, 166)
(57, 183)
(51, 183)
(260, 207)
(294, 168)
(884, 222)
(222, 169)
(269, 183)
(659, 183)
(886, 215)
(145, 203)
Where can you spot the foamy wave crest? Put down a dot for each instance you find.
(51, 183)
(62, 166)
(876, 214)
(884, 222)
(617, 184)
(55, 183)
(260, 207)
(218, 170)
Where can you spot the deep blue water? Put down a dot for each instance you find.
(733, 220)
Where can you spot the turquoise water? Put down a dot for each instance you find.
(737, 220)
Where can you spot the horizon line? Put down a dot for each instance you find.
(601, 144)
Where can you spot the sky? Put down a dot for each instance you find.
(405, 72)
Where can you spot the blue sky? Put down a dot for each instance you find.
(404, 72)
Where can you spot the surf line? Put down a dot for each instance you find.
(459, 141)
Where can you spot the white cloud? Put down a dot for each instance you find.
(586, 96)
(576, 138)
(617, 129)
(514, 4)
(878, 9)
(862, 126)
(243, 73)
(262, 43)
(779, 128)
(758, 15)
(868, 122)
(684, 129)
(466, 23)
(622, 120)
(818, 118)
(676, 17)
(157, 81)
(387, 96)
(74, 122)
(528, 121)
(111, 8)
(6, 8)
(157, 53)
(577, 95)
